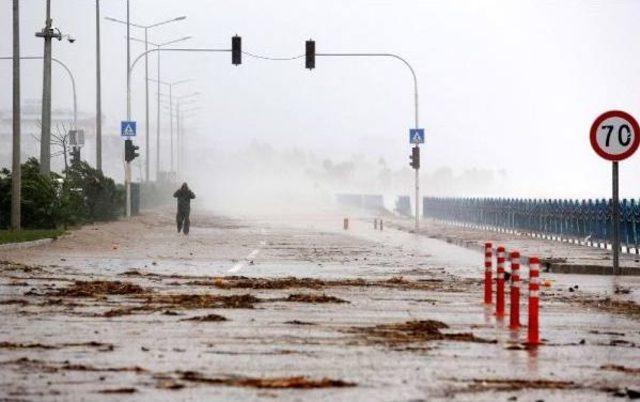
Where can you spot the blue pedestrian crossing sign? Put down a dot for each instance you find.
(127, 129)
(416, 136)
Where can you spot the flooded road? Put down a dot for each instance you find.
(295, 308)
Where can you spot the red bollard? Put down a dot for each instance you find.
(488, 254)
(514, 311)
(534, 300)
(500, 283)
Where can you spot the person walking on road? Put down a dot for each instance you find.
(184, 196)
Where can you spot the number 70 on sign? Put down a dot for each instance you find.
(615, 135)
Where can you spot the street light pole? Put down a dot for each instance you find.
(180, 102)
(158, 120)
(69, 73)
(127, 173)
(180, 114)
(170, 85)
(16, 169)
(146, 63)
(146, 105)
(415, 101)
(98, 93)
(171, 125)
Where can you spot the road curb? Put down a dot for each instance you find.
(25, 244)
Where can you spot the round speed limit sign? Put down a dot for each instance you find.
(615, 135)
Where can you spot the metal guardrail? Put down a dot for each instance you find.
(585, 222)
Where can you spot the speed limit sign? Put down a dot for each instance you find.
(615, 135)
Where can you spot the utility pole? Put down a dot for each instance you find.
(45, 134)
(16, 170)
(98, 93)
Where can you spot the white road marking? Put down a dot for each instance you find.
(240, 264)
(252, 255)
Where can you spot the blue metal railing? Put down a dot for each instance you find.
(585, 222)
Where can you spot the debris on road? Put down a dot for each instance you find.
(207, 318)
(99, 288)
(298, 322)
(272, 383)
(313, 298)
(118, 391)
(485, 384)
(413, 332)
(621, 369)
(201, 301)
(101, 346)
(35, 365)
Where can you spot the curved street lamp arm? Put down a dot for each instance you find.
(391, 55)
(73, 81)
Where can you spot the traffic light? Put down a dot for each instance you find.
(415, 157)
(236, 50)
(75, 155)
(130, 151)
(310, 55)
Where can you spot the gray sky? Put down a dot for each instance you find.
(511, 85)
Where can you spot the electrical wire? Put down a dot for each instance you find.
(257, 56)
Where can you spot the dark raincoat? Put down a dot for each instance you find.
(184, 196)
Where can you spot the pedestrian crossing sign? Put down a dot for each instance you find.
(416, 136)
(127, 129)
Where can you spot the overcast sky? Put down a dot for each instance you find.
(511, 85)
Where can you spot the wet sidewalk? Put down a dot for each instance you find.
(556, 256)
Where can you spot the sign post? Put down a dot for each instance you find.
(615, 136)
(416, 137)
(127, 131)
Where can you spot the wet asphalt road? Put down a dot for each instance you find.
(56, 347)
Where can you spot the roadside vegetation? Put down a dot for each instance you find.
(55, 202)
(11, 236)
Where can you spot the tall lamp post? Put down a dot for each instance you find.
(158, 47)
(146, 67)
(170, 85)
(181, 101)
(180, 114)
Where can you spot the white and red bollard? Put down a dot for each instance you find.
(500, 282)
(514, 311)
(533, 338)
(375, 224)
(345, 224)
(488, 288)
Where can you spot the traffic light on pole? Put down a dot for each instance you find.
(75, 155)
(310, 55)
(130, 151)
(415, 157)
(236, 50)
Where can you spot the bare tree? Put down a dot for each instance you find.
(60, 139)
